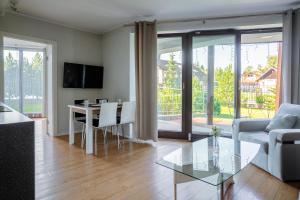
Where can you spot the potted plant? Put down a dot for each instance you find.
(260, 101)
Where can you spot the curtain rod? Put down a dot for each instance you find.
(213, 18)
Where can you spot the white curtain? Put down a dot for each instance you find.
(146, 75)
(291, 57)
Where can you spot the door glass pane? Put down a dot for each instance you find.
(260, 57)
(11, 78)
(223, 107)
(213, 82)
(169, 88)
(199, 86)
(32, 79)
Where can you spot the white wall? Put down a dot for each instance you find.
(72, 46)
(116, 59)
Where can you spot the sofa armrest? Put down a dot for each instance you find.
(282, 153)
(246, 125)
(285, 135)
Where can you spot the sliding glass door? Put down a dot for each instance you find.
(213, 82)
(24, 80)
(210, 78)
(169, 88)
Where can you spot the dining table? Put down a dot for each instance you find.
(90, 111)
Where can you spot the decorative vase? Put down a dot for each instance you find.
(216, 151)
(216, 143)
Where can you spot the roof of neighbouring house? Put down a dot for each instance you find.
(269, 74)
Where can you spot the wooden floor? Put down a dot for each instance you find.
(65, 172)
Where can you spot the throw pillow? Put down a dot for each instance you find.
(285, 121)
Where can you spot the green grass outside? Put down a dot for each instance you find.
(226, 115)
(245, 113)
(28, 108)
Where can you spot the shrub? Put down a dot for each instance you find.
(217, 107)
(259, 99)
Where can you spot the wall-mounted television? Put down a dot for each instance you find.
(82, 76)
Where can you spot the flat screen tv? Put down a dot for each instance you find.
(82, 76)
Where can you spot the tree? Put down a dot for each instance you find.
(37, 75)
(248, 70)
(224, 91)
(169, 93)
(171, 76)
(198, 97)
(33, 78)
(272, 62)
(11, 75)
(270, 100)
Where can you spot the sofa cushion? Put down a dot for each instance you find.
(283, 121)
(291, 109)
(258, 137)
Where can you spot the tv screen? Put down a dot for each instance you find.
(82, 76)
(93, 77)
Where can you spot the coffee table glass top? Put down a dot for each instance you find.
(209, 160)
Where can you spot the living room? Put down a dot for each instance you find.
(150, 100)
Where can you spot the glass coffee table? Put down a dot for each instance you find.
(210, 160)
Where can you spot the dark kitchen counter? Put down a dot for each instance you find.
(16, 155)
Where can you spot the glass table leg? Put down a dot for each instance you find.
(223, 188)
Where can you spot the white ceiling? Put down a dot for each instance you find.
(103, 15)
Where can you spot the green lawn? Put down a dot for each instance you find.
(33, 108)
(29, 107)
(226, 115)
(247, 113)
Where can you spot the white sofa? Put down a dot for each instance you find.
(280, 149)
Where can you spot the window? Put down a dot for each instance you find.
(210, 78)
(24, 78)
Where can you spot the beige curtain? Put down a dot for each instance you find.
(146, 76)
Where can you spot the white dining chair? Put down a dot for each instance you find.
(128, 113)
(80, 118)
(107, 118)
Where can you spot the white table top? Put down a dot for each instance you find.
(85, 107)
(94, 107)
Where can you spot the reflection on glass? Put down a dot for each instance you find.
(169, 88)
(200, 161)
(223, 106)
(32, 82)
(11, 79)
(260, 56)
(23, 81)
(213, 82)
(199, 86)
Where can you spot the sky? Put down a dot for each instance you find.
(251, 55)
